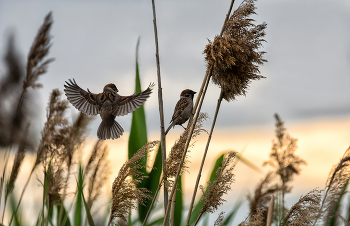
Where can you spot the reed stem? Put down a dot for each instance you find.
(160, 104)
(270, 211)
(203, 159)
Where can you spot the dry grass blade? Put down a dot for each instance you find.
(97, 174)
(38, 51)
(305, 211)
(125, 194)
(234, 57)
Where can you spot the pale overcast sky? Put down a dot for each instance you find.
(308, 53)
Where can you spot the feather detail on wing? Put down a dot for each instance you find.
(127, 104)
(82, 100)
(179, 108)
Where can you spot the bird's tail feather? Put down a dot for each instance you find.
(171, 126)
(107, 130)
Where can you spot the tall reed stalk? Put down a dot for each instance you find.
(160, 104)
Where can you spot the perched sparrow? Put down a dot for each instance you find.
(108, 104)
(183, 109)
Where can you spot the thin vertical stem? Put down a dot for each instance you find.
(172, 209)
(198, 218)
(204, 156)
(153, 200)
(20, 198)
(6, 157)
(160, 103)
(270, 211)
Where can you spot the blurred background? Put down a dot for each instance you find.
(307, 76)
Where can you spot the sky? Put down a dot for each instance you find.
(307, 73)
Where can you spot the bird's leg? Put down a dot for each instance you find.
(183, 127)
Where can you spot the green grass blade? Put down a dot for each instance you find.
(87, 210)
(78, 218)
(178, 203)
(137, 138)
(198, 206)
(138, 131)
(157, 222)
(64, 215)
(13, 204)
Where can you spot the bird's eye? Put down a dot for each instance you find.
(187, 95)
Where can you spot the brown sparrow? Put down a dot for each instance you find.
(108, 104)
(183, 109)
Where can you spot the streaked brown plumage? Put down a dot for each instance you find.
(183, 109)
(108, 104)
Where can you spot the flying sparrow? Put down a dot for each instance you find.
(108, 104)
(183, 109)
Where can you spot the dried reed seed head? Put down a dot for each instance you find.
(174, 158)
(38, 51)
(234, 58)
(100, 169)
(336, 185)
(125, 194)
(283, 157)
(262, 194)
(220, 219)
(258, 218)
(212, 194)
(305, 211)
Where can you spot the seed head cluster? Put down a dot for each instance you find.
(234, 57)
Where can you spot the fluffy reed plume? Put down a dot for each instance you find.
(258, 219)
(36, 64)
(234, 57)
(175, 155)
(96, 172)
(212, 194)
(284, 160)
(304, 212)
(220, 219)
(125, 194)
(336, 182)
(19, 110)
(52, 149)
(10, 89)
(56, 124)
(262, 195)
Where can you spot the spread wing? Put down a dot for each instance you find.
(180, 106)
(82, 100)
(127, 104)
